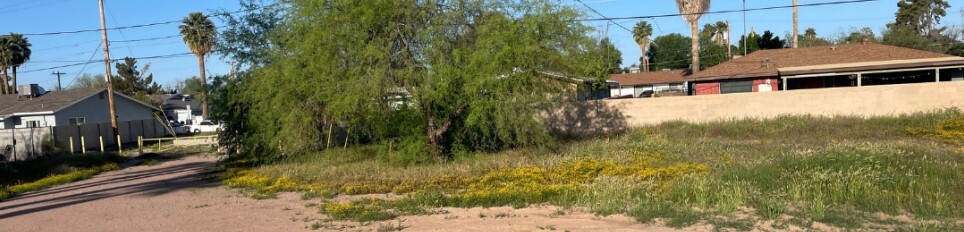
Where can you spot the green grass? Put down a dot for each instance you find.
(57, 179)
(36, 169)
(834, 170)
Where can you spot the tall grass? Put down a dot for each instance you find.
(805, 167)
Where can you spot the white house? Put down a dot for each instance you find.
(68, 107)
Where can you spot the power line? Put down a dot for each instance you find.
(175, 55)
(728, 11)
(141, 25)
(604, 16)
(145, 39)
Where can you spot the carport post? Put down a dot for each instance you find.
(784, 83)
(101, 138)
(860, 79)
(937, 75)
(83, 145)
(71, 138)
(140, 145)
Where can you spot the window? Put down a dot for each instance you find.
(77, 121)
(33, 124)
(206, 123)
(736, 86)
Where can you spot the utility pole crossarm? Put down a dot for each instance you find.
(58, 73)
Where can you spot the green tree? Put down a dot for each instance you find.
(200, 35)
(131, 81)
(641, 33)
(19, 50)
(921, 15)
(439, 77)
(248, 35)
(956, 49)
(749, 43)
(771, 41)
(192, 86)
(692, 10)
(612, 56)
(671, 52)
(810, 39)
(88, 81)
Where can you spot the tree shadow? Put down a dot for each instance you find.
(187, 175)
(585, 118)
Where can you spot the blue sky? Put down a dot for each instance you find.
(38, 16)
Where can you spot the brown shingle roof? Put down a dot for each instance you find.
(49, 102)
(821, 57)
(52, 101)
(648, 78)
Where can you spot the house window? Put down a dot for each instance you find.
(33, 124)
(736, 86)
(77, 121)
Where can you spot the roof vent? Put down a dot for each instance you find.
(766, 62)
(865, 40)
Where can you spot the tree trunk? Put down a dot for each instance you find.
(435, 132)
(14, 91)
(695, 50)
(645, 60)
(204, 88)
(3, 82)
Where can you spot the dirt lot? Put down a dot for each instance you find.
(179, 195)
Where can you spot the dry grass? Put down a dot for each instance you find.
(729, 173)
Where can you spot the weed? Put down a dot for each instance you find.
(391, 227)
(151, 162)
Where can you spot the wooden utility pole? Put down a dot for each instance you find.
(729, 48)
(744, 28)
(795, 34)
(59, 88)
(110, 85)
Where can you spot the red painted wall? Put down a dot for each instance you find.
(705, 88)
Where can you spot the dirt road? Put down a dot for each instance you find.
(179, 195)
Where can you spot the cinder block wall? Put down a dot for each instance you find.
(851, 101)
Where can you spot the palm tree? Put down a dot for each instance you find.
(691, 11)
(199, 34)
(641, 33)
(6, 58)
(21, 54)
(720, 35)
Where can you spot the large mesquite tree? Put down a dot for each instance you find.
(460, 74)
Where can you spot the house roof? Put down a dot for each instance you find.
(48, 103)
(823, 59)
(177, 101)
(648, 78)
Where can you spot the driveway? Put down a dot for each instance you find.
(176, 195)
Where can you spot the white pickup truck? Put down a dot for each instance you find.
(204, 127)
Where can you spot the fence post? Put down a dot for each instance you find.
(120, 149)
(101, 138)
(83, 145)
(140, 145)
(71, 138)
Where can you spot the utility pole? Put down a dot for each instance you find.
(744, 28)
(795, 24)
(59, 88)
(729, 47)
(110, 85)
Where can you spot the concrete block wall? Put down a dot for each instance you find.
(850, 101)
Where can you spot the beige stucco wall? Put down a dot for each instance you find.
(855, 101)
